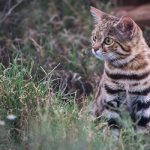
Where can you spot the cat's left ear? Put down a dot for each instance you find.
(127, 26)
(97, 14)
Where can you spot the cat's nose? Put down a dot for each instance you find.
(96, 47)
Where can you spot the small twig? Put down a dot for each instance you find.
(10, 11)
(48, 74)
(38, 47)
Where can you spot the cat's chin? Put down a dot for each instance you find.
(98, 55)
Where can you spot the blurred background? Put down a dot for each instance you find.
(46, 65)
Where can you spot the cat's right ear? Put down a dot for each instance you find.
(126, 26)
(97, 14)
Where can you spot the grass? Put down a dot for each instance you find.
(47, 41)
(45, 121)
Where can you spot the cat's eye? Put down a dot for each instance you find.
(108, 41)
(94, 38)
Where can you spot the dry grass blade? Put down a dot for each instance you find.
(7, 14)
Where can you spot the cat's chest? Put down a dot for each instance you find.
(125, 93)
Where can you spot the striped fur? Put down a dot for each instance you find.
(125, 84)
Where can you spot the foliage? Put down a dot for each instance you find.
(39, 39)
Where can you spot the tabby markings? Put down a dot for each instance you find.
(125, 76)
(141, 92)
(112, 91)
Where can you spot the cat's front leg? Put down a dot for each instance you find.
(107, 107)
(141, 112)
(107, 104)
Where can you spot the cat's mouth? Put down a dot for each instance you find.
(98, 54)
(104, 56)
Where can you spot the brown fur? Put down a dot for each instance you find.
(126, 67)
(137, 63)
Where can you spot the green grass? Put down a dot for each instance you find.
(45, 121)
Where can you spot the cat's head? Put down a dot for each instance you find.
(114, 38)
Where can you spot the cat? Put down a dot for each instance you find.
(125, 83)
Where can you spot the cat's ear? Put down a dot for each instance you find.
(97, 14)
(126, 25)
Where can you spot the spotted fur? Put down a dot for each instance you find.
(125, 84)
